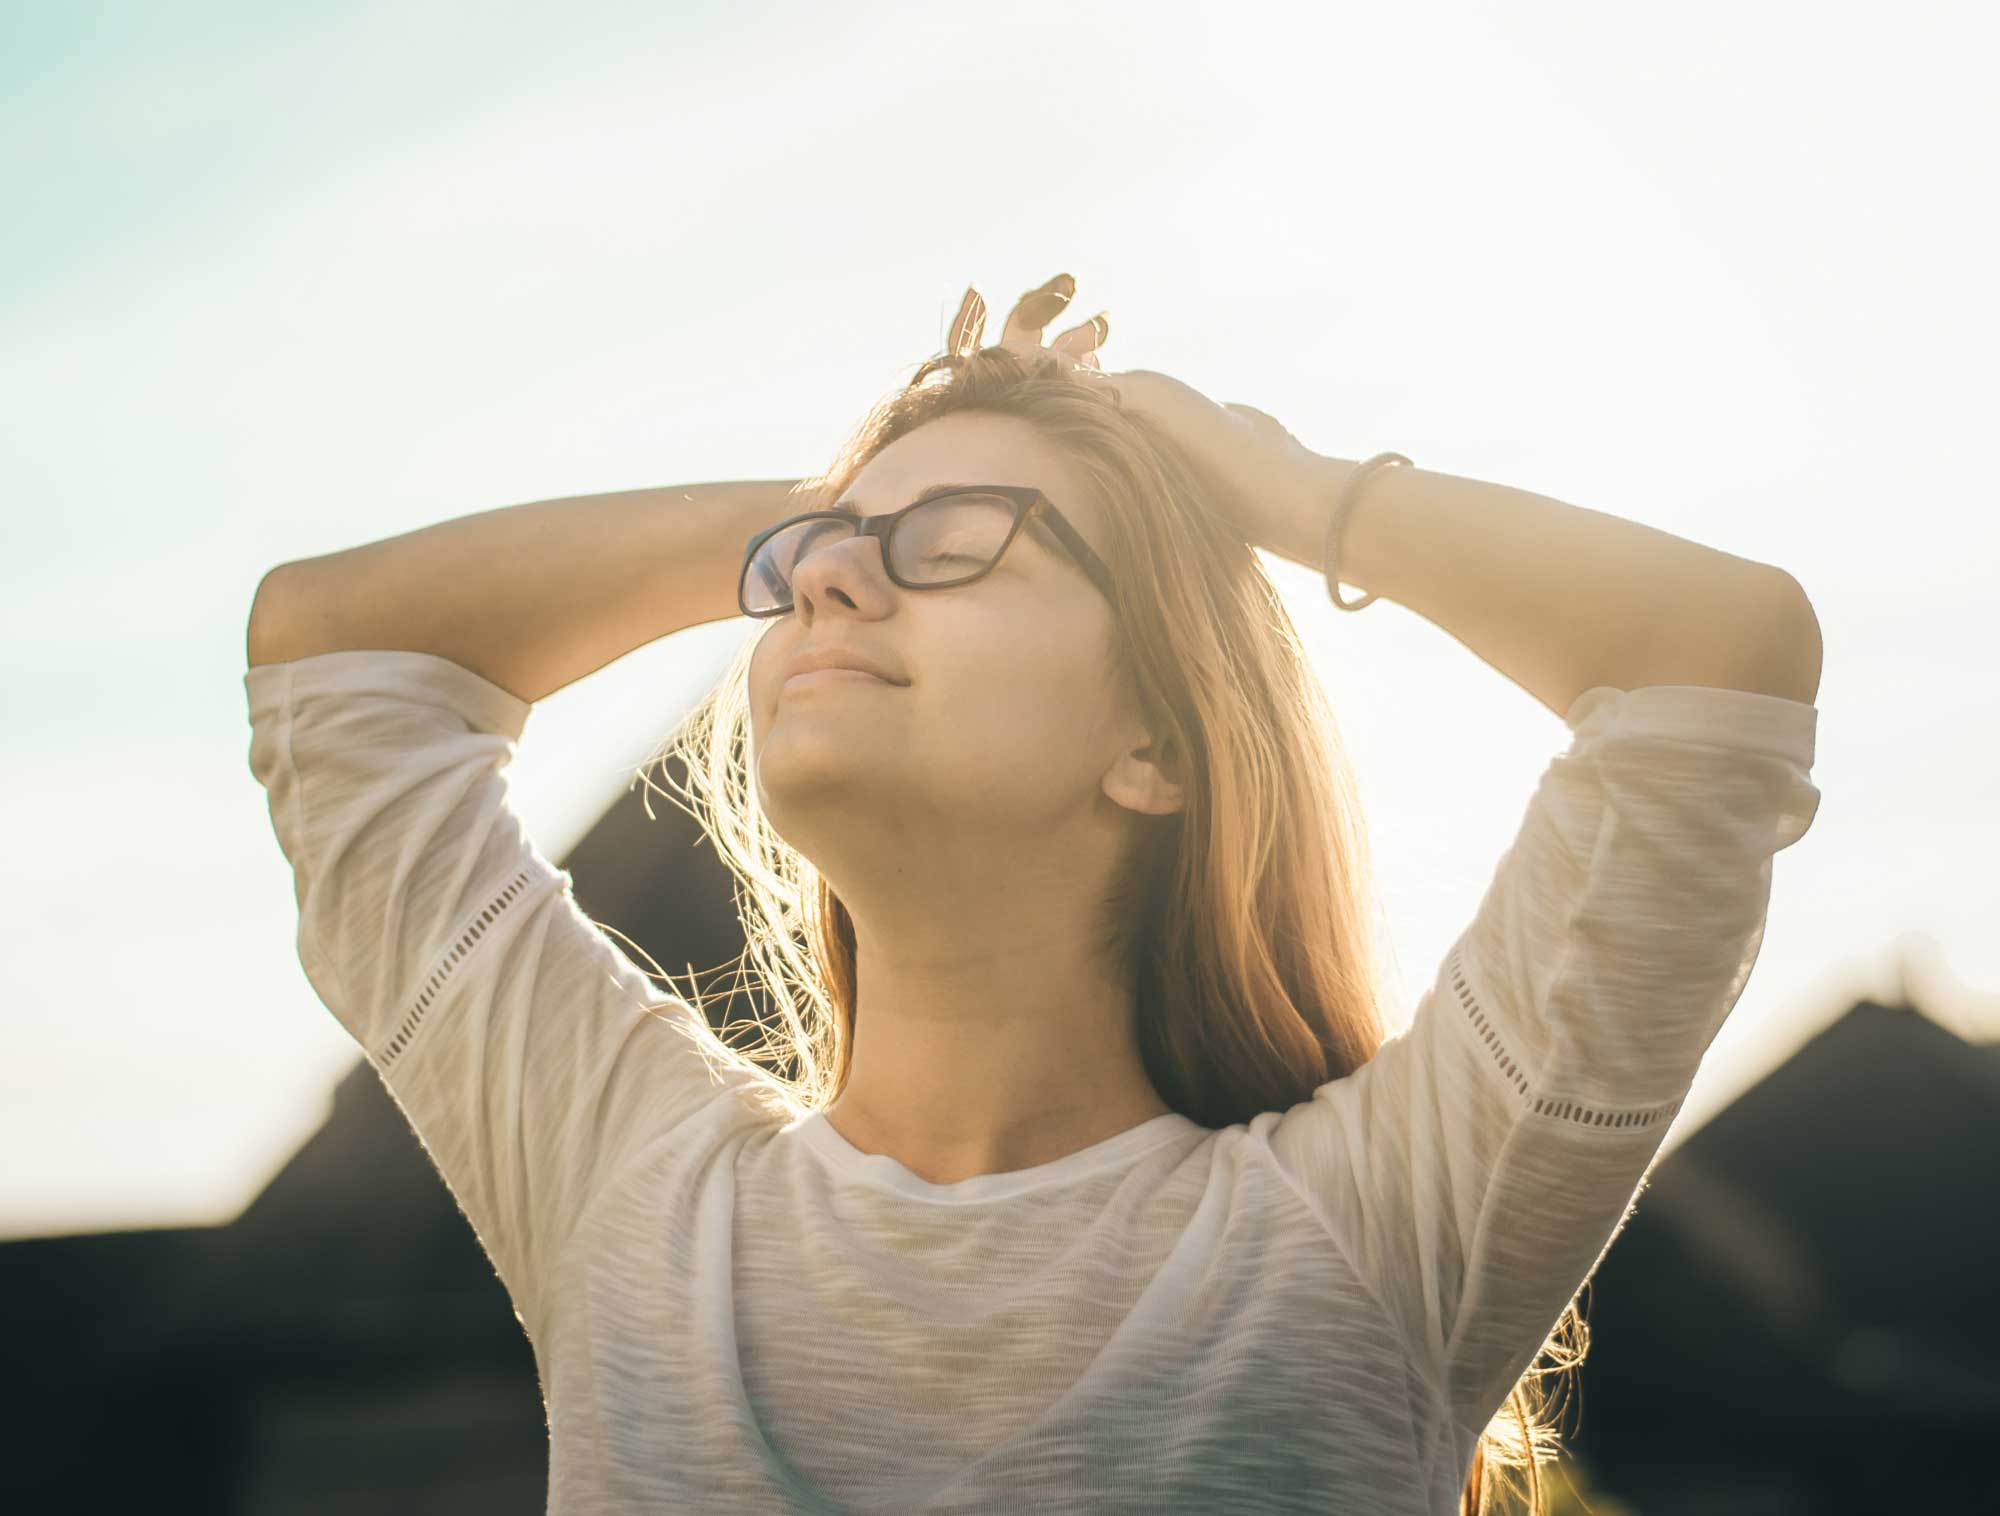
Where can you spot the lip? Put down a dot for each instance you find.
(818, 660)
(816, 676)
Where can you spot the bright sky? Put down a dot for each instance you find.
(283, 279)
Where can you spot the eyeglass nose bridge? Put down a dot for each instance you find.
(867, 527)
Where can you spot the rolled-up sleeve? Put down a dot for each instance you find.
(530, 1055)
(1478, 1167)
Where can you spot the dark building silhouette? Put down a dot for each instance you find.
(1803, 1315)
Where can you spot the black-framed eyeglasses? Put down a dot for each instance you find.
(950, 535)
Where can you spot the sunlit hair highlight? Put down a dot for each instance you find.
(1247, 920)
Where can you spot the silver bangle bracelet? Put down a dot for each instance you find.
(1349, 491)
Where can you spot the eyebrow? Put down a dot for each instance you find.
(847, 508)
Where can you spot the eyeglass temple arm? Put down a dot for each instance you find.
(1072, 539)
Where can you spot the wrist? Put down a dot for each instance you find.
(1299, 531)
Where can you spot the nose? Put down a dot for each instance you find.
(852, 570)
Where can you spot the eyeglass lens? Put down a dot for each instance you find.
(949, 540)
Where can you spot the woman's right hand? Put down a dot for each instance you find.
(1074, 348)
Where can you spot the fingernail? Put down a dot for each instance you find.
(1063, 285)
(1102, 321)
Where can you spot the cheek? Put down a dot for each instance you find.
(1031, 715)
(761, 678)
(765, 655)
(760, 689)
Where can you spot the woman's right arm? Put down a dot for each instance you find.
(530, 597)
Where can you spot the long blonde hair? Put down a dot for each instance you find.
(1247, 919)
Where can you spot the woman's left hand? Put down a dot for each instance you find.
(1274, 490)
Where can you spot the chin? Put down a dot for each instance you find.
(798, 775)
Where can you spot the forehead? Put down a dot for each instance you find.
(973, 447)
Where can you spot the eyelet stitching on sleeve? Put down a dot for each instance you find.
(1543, 1105)
(454, 956)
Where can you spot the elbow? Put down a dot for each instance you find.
(264, 637)
(1794, 643)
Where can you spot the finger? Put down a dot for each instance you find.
(968, 326)
(1037, 309)
(1079, 340)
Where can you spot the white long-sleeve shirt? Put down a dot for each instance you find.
(736, 1310)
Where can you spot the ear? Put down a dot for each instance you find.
(1147, 779)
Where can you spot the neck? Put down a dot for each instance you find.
(984, 1061)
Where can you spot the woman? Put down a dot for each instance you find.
(1090, 1182)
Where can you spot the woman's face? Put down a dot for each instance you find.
(1011, 709)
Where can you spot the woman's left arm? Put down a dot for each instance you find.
(1558, 598)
